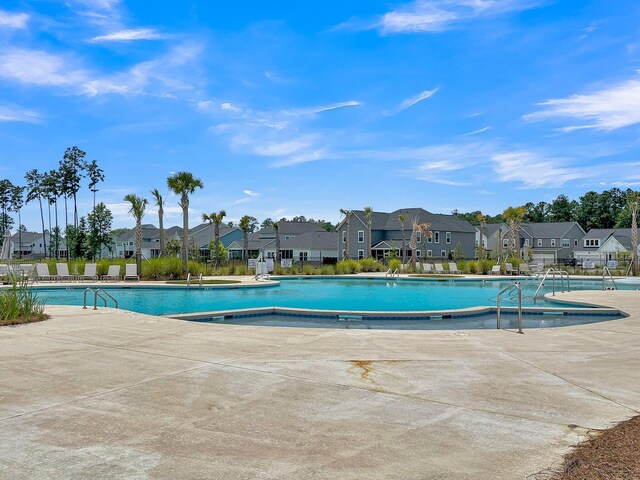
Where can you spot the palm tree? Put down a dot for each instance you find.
(368, 214)
(402, 217)
(216, 220)
(347, 224)
(35, 191)
(160, 204)
(276, 228)
(137, 211)
(245, 226)
(514, 216)
(417, 227)
(633, 203)
(482, 222)
(184, 184)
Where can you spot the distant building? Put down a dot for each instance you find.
(548, 242)
(299, 241)
(447, 231)
(601, 246)
(33, 244)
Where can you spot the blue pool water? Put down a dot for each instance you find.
(355, 294)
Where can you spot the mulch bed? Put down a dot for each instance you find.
(612, 454)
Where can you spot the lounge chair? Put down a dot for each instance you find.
(62, 272)
(28, 271)
(523, 269)
(112, 274)
(453, 268)
(439, 268)
(508, 269)
(495, 270)
(90, 270)
(42, 272)
(5, 275)
(427, 267)
(131, 272)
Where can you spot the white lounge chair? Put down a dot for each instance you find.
(508, 269)
(131, 272)
(62, 272)
(453, 268)
(42, 272)
(90, 272)
(427, 267)
(524, 269)
(112, 274)
(495, 270)
(5, 275)
(28, 271)
(439, 268)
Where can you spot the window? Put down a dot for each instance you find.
(287, 237)
(526, 242)
(360, 254)
(447, 237)
(566, 243)
(575, 242)
(539, 242)
(303, 256)
(418, 253)
(344, 253)
(360, 236)
(553, 242)
(344, 236)
(443, 253)
(286, 254)
(436, 237)
(270, 254)
(419, 237)
(505, 242)
(430, 238)
(591, 242)
(429, 253)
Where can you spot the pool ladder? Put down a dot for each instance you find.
(552, 271)
(394, 274)
(509, 288)
(189, 280)
(97, 293)
(607, 273)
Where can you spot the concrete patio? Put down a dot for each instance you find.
(112, 394)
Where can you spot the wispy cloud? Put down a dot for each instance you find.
(250, 193)
(321, 108)
(130, 35)
(410, 102)
(13, 20)
(35, 67)
(479, 131)
(8, 114)
(533, 170)
(427, 16)
(607, 109)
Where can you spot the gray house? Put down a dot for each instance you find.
(549, 242)
(602, 246)
(447, 231)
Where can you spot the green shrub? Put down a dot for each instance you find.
(327, 270)
(472, 267)
(485, 266)
(394, 264)
(370, 265)
(20, 304)
(347, 267)
(309, 270)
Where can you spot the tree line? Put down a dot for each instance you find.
(84, 236)
(592, 210)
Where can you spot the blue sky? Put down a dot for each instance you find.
(302, 108)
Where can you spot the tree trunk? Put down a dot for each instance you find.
(185, 238)
(161, 225)
(370, 241)
(20, 234)
(346, 245)
(634, 242)
(44, 238)
(139, 247)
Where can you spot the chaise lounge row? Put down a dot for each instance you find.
(40, 272)
(439, 268)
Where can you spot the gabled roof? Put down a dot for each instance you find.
(436, 221)
(622, 235)
(534, 230)
(290, 228)
(320, 240)
(27, 237)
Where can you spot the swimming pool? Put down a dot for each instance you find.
(312, 293)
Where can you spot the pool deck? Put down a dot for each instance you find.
(110, 394)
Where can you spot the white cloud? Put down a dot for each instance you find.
(425, 16)
(34, 67)
(284, 148)
(304, 157)
(130, 35)
(8, 114)
(229, 107)
(250, 193)
(607, 109)
(410, 102)
(13, 20)
(440, 166)
(476, 132)
(320, 109)
(533, 170)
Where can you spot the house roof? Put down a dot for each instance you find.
(319, 240)
(436, 221)
(534, 230)
(622, 235)
(290, 228)
(27, 237)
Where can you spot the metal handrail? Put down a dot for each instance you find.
(606, 270)
(97, 293)
(553, 272)
(508, 288)
(395, 273)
